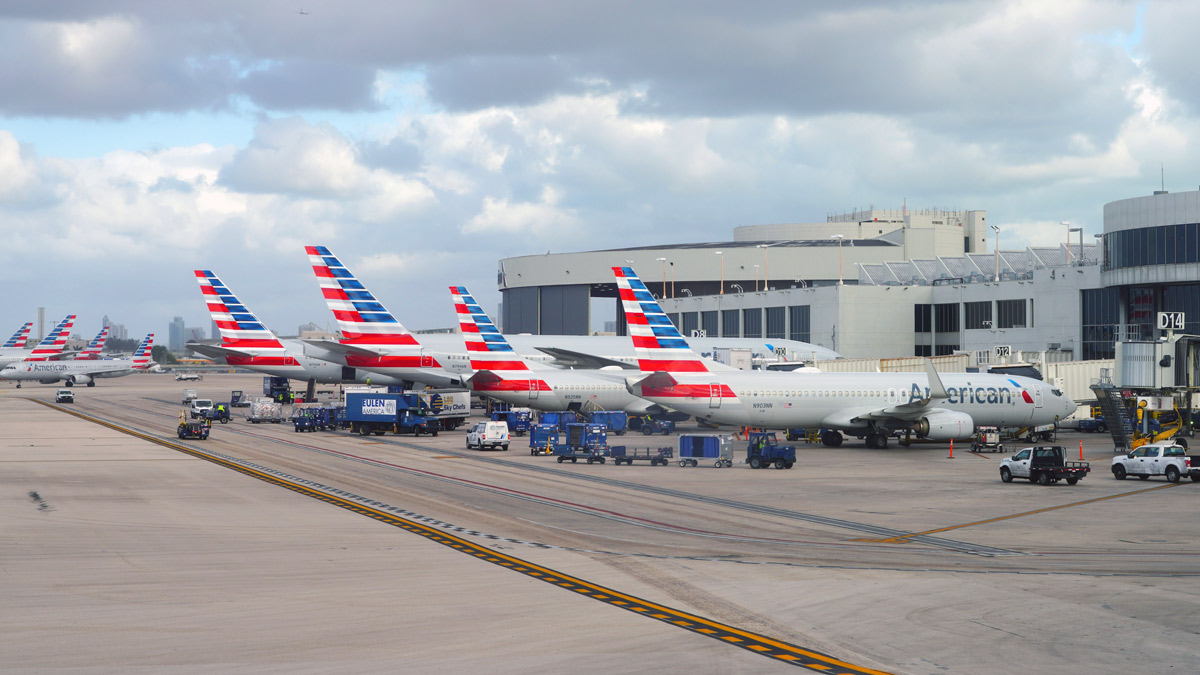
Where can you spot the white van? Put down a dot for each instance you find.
(490, 434)
(200, 406)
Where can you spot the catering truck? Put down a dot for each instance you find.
(379, 413)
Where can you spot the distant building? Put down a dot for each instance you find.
(193, 334)
(117, 331)
(176, 334)
(215, 333)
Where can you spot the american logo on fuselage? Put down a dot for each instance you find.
(969, 394)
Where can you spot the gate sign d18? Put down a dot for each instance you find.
(1170, 320)
(1003, 351)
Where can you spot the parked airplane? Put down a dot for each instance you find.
(502, 374)
(938, 407)
(76, 371)
(51, 346)
(247, 343)
(14, 347)
(92, 351)
(374, 340)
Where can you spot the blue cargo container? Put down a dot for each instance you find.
(543, 438)
(614, 420)
(562, 418)
(707, 448)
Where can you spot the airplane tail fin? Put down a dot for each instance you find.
(363, 320)
(20, 338)
(52, 345)
(92, 351)
(658, 344)
(141, 357)
(486, 346)
(240, 329)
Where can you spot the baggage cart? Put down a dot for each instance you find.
(621, 454)
(711, 449)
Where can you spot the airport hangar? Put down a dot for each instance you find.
(896, 283)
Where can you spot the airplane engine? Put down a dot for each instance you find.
(73, 380)
(945, 425)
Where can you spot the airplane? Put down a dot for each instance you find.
(51, 346)
(14, 347)
(871, 405)
(502, 374)
(247, 343)
(92, 351)
(374, 340)
(76, 371)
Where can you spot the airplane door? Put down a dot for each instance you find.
(1037, 397)
(534, 390)
(714, 395)
(426, 360)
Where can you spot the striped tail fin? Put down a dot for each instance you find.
(52, 345)
(20, 338)
(363, 320)
(239, 328)
(92, 351)
(489, 351)
(141, 357)
(657, 343)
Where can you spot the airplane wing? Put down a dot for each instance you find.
(213, 351)
(342, 348)
(566, 358)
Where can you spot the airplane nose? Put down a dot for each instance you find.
(1069, 405)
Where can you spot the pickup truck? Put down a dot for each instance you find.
(1043, 464)
(1094, 425)
(492, 434)
(1157, 459)
(201, 406)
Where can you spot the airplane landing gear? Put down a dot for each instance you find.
(831, 438)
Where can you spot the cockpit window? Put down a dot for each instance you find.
(1056, 392)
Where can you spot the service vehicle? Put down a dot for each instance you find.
(1094, 425)
(986, 439)
(237, 399)
(658, 426)
(278, 389)
(64, 396)
(488, 434)
(715, 449)
(623, 455)
(183, 377)
(517, 419)
(218, 413)
(763, 449)
(1169, 460)
(451, 406)
(1043, 464)
(378, 413)
(200, 406)
(616, 421)
(188, 395)
(191, 429)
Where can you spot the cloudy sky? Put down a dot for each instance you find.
(424, 140)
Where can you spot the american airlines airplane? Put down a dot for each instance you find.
(76, 371)
(502, 374)
(14, 347)
(247, 343)
(937, 407)
(49, 349)
(374, 340)
(92, 351)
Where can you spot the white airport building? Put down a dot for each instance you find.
(880, 283)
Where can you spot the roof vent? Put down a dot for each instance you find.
(1160, 192)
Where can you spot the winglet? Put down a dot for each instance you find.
(936, 388)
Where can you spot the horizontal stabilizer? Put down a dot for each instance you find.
(341, 348)
(566, 358)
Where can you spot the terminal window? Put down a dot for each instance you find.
(1010, 314)
(752, 322)
(799, 322)
(731, 325)
(978, 314)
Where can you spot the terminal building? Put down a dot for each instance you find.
(881, 283)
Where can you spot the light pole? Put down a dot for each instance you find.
(672, 264)
(1067, 224)
(756, 278)
(664, 286)
(722, 272)
(996, 229)
(1080, 231)
(765, 275)
(839, 238)
(1099, 248)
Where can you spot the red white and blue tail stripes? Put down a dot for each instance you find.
(92, 351)
(656, 341)
(488, 350)
(141, 356)
(20, 337)
(239, 328)
(52, 345)
(363, 320)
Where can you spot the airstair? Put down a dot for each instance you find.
(1116, 415)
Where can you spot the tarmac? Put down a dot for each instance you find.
(124, 554)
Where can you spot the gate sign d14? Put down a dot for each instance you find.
(1003, 351)
(1170, 320)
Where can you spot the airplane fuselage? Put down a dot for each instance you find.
(850, 401)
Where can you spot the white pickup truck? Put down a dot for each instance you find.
(1157, 459)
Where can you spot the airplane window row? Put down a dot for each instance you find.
(815, 394)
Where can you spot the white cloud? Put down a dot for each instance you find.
(501, 216)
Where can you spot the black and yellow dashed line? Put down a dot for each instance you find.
(753, 642)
